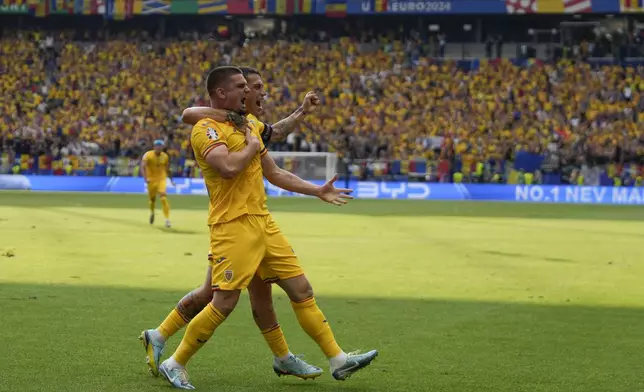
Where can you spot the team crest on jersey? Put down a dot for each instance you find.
(212, 134)
(228, 275)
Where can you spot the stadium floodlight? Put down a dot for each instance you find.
(467, 27)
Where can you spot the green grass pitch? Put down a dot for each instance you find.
(456, 296)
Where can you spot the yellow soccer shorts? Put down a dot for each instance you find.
(156, 186)
(250, 245)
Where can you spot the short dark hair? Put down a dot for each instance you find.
(219, 76)
(249, 71)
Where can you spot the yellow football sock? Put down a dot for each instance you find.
(166, 207)
(314, 323)
(151, 203)
(172, 324)
(198, 332)
(276, 341)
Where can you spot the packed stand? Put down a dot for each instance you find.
(93, 106)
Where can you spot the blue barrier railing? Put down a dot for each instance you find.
(362, 189)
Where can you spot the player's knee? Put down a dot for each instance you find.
(298, 288)
(225, 301)
(162, 196)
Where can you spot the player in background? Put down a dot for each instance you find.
(285, 363)
(244, 238)
(155, 168)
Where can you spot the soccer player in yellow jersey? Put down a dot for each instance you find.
(244, 239)
(155, 167)
(285, 363)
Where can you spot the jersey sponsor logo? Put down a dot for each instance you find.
(212, 134)
(228, 275)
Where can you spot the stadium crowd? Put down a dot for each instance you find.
(388, 109)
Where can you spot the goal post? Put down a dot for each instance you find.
(307, 165)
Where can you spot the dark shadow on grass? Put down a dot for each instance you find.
(78, 212)
(356, 207)
(504, 254)
(85, 338)
(174, 230)
(526, 256)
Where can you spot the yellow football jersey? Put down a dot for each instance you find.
(264, 129)
(244, 194)
(156, 166)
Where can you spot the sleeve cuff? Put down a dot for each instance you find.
(212, 147)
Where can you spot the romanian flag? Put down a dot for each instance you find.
(258, 6)
(336, 8)
(636, 6)
(381, 5)
(212, 6)
(304, 6)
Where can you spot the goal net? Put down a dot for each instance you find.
(307, 165)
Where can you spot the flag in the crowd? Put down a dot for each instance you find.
(381, 5)
(189, 7)
(524, 7)
(119, 9)
(577, 6)
(240, 7)
(258, 6)
(213, 6)
(156, 7)
(632, 5)
(61, 6)
(15, 2)
(281, 7)
(336, 8)
(42, 9)
(90, 7)
(304, 6)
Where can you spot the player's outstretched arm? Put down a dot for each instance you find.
(229, 164)
(292, 183)
(195, 114)
(282, 128)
